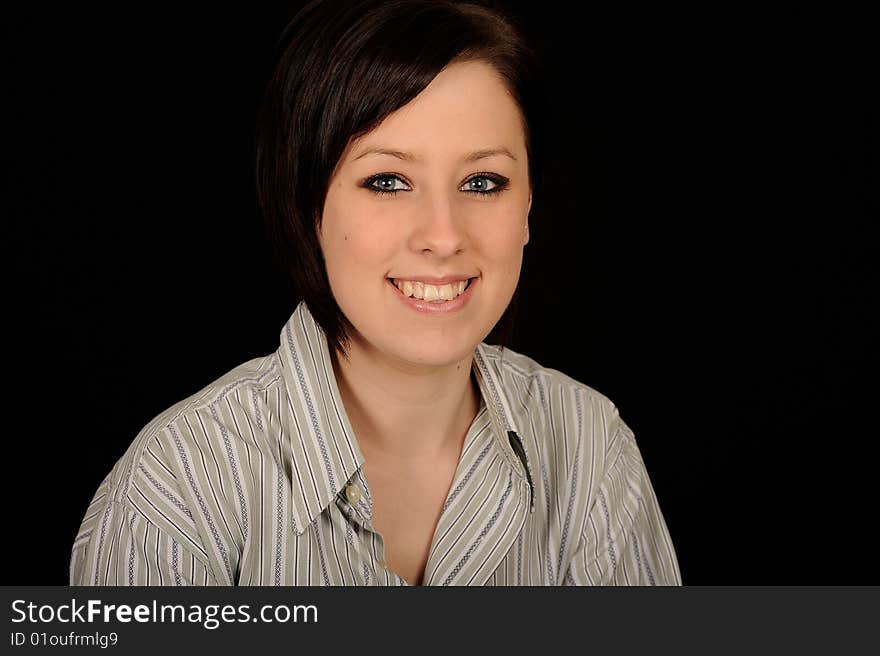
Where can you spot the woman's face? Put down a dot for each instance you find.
(454, 159)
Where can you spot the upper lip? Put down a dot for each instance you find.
(433, 280)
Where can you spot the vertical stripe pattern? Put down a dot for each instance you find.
(243, 483)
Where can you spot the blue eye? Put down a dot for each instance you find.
(384, 183)
(498, 183)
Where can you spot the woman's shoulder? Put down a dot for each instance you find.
(195, 423)
(536, 386)
(557, 416)
(590, 481)
(169, 476)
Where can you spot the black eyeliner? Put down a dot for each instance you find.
(501, 184)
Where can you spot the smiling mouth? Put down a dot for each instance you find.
(431, 293)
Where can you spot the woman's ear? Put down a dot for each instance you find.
(526, 227)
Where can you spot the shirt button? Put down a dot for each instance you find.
(353, 494)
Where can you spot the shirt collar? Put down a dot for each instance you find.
(325, 450)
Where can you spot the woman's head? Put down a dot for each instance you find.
(439, 83)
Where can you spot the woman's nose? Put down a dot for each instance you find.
(440, 226)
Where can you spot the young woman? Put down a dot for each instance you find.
(386, 442)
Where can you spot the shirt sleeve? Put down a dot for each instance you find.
(121, 547)
(625, 540)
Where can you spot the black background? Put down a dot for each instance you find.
(705, 256)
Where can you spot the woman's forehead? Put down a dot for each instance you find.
(466, 113)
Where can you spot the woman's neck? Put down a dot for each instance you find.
(404, 414)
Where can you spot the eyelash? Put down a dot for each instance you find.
(500, 182)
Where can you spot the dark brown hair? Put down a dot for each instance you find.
(342, 67)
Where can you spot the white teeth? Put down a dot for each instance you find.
(431, 293)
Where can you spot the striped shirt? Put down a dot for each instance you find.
(257, 480)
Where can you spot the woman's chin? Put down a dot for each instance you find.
(433, 355)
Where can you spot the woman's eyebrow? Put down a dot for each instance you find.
(409, 157)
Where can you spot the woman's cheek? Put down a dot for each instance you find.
(376, 235)
(506, 244)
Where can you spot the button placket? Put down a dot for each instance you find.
(350, 500)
